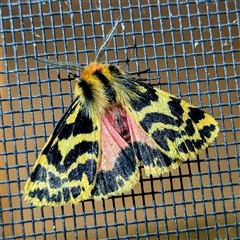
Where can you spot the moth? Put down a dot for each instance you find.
(114, 124)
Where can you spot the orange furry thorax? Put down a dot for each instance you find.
(91, 68)
(88, 73)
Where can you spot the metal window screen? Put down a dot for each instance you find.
(193, 46)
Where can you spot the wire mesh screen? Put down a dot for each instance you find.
(193, 47)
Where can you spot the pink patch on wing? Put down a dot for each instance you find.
(119, 130)
(138, 134)
(114, 136)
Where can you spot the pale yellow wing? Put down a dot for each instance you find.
(175, 130)
(65, 171)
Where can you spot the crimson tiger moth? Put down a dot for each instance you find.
(114, 124)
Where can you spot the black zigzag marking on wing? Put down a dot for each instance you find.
(145, 99)
(125, 166)
(59, 127)
(151, 156)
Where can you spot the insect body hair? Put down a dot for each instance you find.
(101, 85)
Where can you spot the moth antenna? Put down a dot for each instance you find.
(65, 65)
(106, 43)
